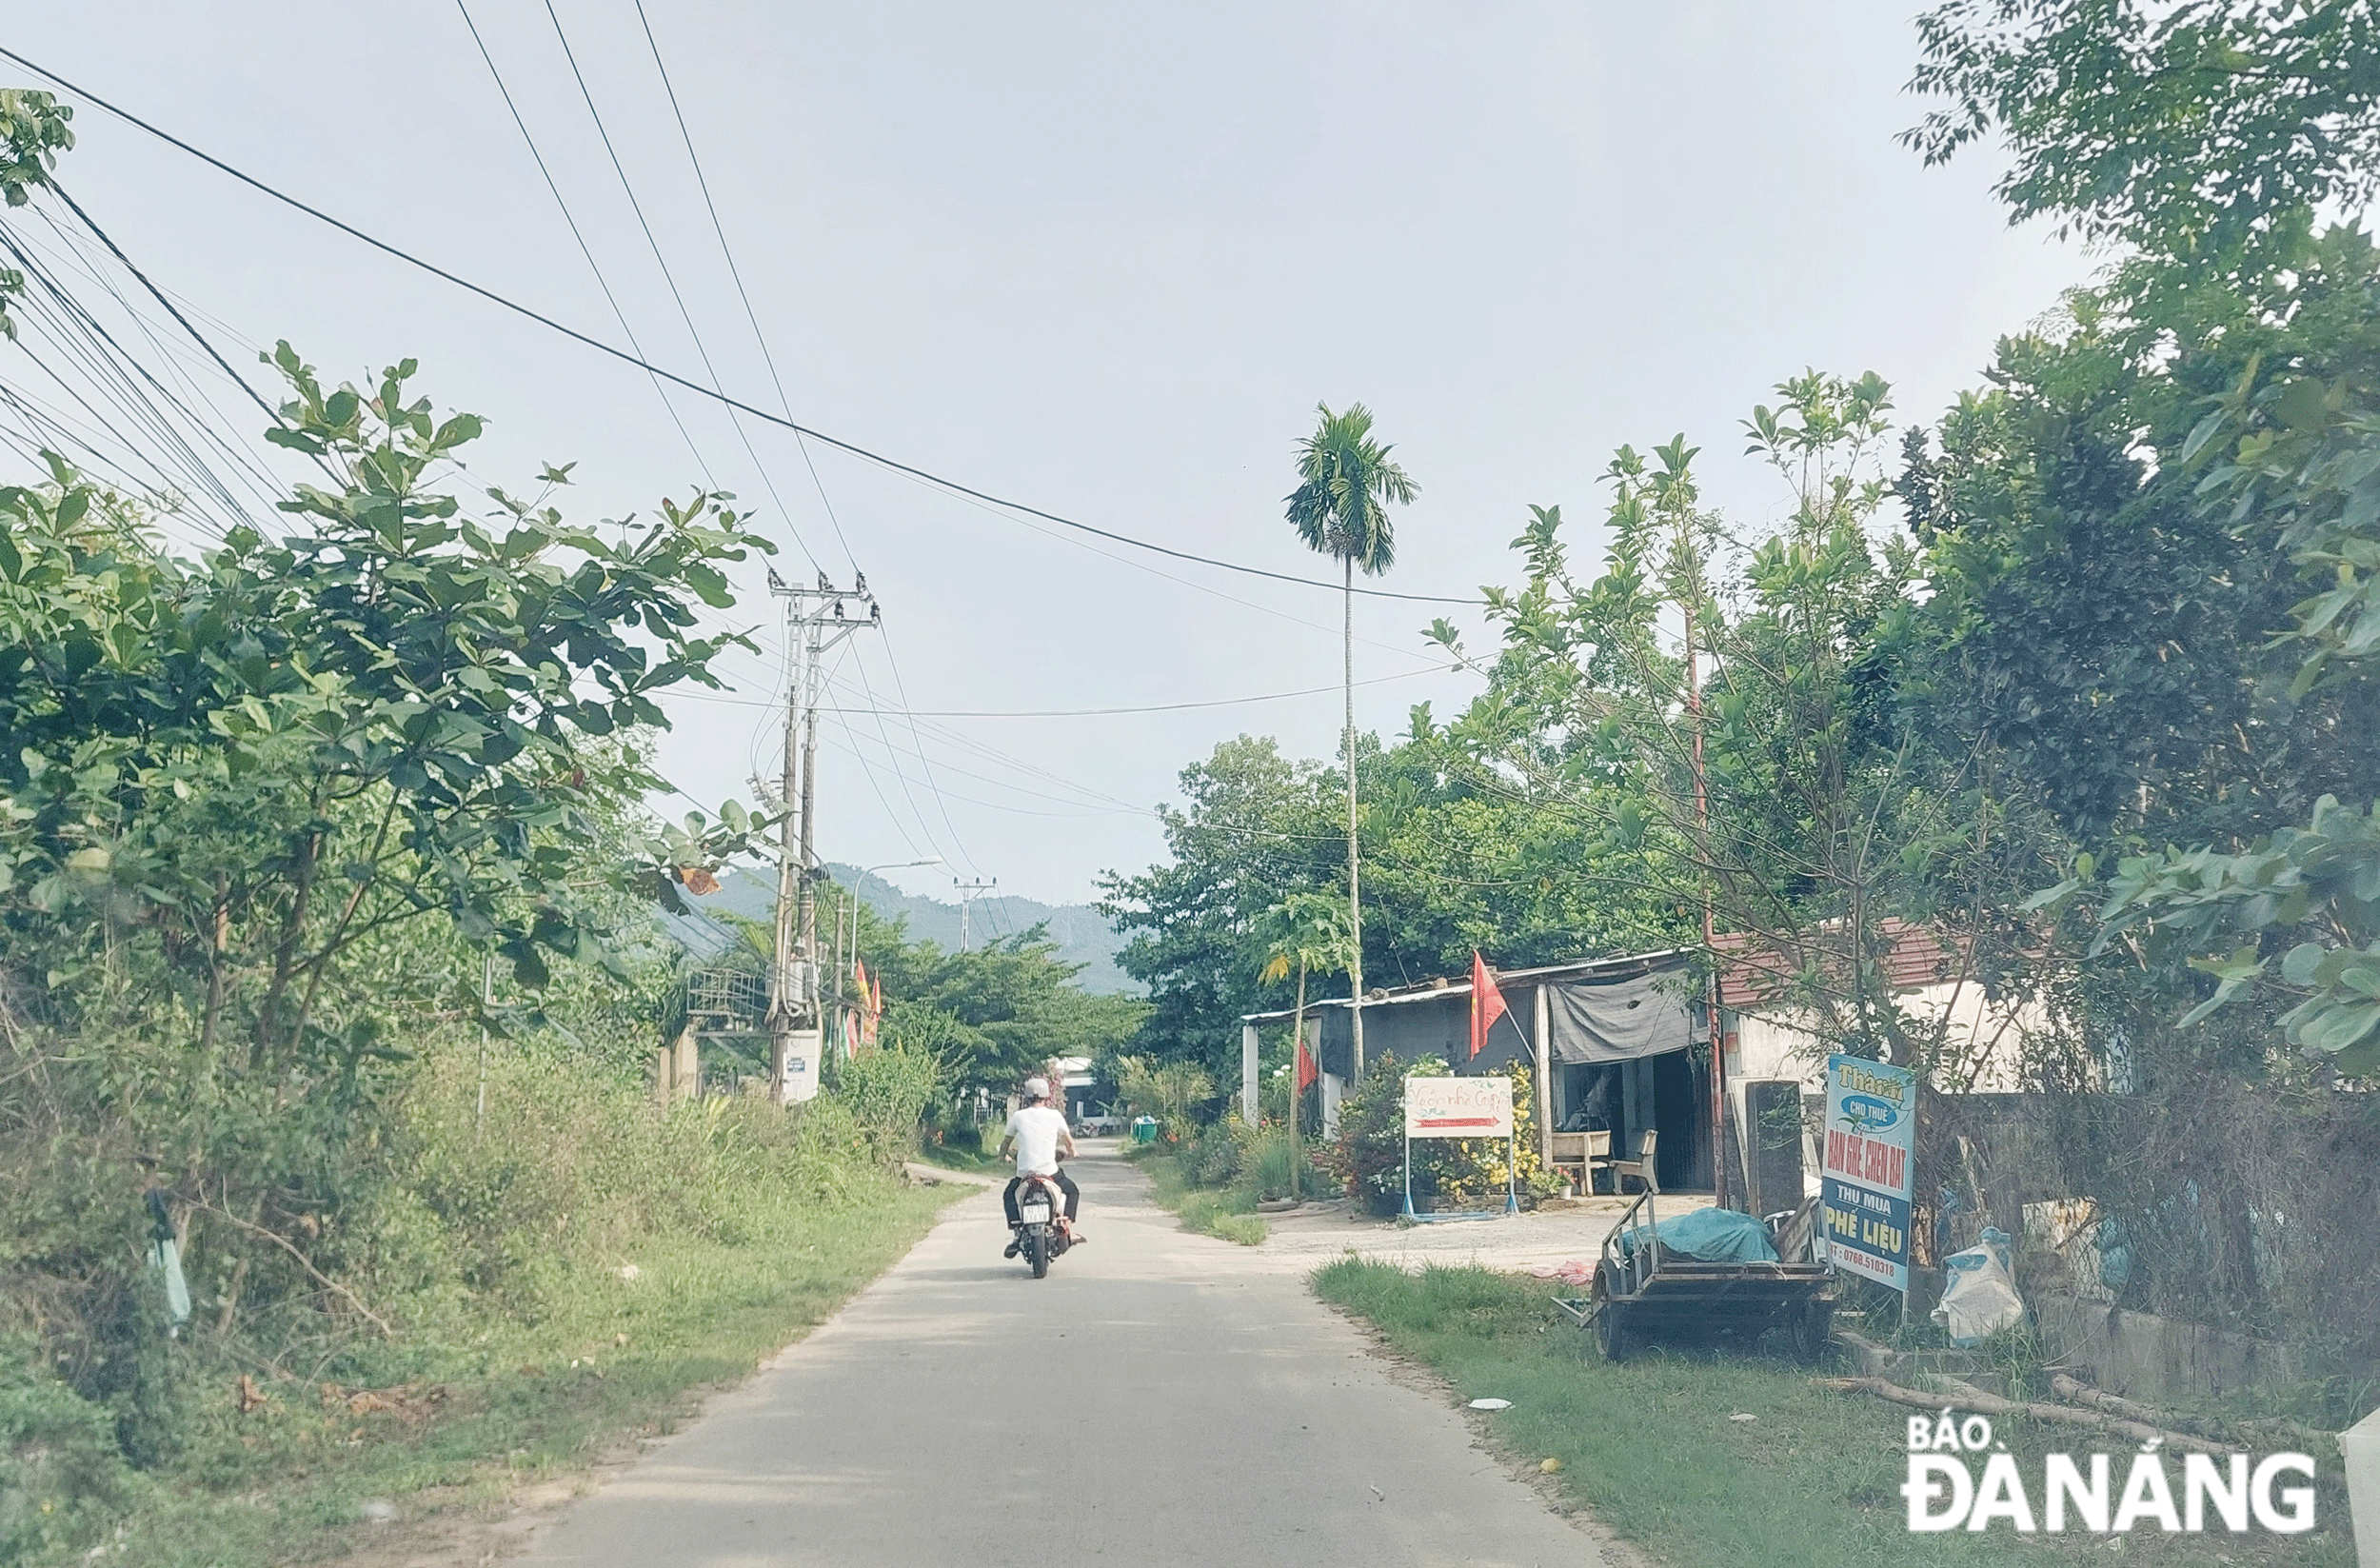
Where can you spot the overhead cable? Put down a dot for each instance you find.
(1082, 712)
(702, 352)
(703, 184)
(674, 377)
(571, 219)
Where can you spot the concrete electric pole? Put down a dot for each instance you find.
(969, 892)
(817, 619)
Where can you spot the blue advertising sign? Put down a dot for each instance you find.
(1868, 1168)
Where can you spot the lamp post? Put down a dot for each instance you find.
(856, 887)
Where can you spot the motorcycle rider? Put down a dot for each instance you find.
(1038, 1134)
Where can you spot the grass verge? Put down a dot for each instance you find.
(1650, 1448)
(287, 1482)
(1228, 1213)
(951, 1157)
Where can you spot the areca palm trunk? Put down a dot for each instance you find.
(1297, 1089)
(1354, 900)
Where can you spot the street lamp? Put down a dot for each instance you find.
(856, 887)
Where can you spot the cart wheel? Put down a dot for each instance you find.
(1612, 1335)
(1812, 1328)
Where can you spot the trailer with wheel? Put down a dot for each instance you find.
(1643, 1290)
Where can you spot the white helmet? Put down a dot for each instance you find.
(1037, 1088)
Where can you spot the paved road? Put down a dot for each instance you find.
(1161, 1399)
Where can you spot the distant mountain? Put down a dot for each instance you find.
(1081, 935)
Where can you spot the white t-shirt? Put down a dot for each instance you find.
(1037, 1130)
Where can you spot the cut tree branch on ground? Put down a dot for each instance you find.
(2078, 1392)
(1966, 1397)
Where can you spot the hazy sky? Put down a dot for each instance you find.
(1101, 259)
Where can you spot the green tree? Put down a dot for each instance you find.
(993, 1013)
(410, 707)
(1304, 933)
(33, 131)
(1715, 714)
(2206, 135)
(1255, 826)
(2109, 619)
(260, 816)
(1346, 481)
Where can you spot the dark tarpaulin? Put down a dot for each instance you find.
(1620, 1019)
(1438, 1026)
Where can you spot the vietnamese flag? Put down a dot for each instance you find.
(1307, 1071)
(1487, 1002)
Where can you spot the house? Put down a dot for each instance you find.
(1774, 1030)
(1619, 1042)
(1613, 1043)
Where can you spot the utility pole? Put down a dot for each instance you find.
(817, 619)
(969, 892)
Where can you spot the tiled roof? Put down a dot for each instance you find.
(1756, 969)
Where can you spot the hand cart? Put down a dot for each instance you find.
(1643, 1290)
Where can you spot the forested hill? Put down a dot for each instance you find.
(1081, 935)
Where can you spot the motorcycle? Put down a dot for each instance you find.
(1041, 1231)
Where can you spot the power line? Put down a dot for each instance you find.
(1200, 587)
(752, 317)
(568, 217)
(1082, 712)
(703, 184)
(136, 414)
(844, 721)
(670, 278)
(901, 687)
(625, 357)
(172, 356)
(158, 294)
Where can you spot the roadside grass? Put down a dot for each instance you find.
(524, 1401)
(1649, 1447)
(953, 1157)
(1228, 1213)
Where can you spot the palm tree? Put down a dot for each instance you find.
(1305, 933)
(1345, 483)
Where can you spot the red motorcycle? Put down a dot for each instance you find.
(1043, 1233)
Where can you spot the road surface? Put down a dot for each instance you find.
(1161, 1399)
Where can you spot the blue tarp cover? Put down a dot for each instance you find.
(1713, 1236)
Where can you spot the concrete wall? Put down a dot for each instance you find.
(1983, 1046)
(2139, 1354)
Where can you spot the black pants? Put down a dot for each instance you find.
(1065, 1184)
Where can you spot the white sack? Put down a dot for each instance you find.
(1979, 1293)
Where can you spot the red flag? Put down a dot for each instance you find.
(1487, 1002)
(1307, 1071)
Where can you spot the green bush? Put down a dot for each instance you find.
(1168, 1091)
(60, 1467)
(887, 1091)
(1211, 1157)
(1369, 1157)
(1274, 1164)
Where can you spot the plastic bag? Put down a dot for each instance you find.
(1979, 1291)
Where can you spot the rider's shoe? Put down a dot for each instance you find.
(1075, 1239)
(1015, 1246)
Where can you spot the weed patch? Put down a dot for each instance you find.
(1228, 1212)
(286, 1480)
(1653, 1448)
